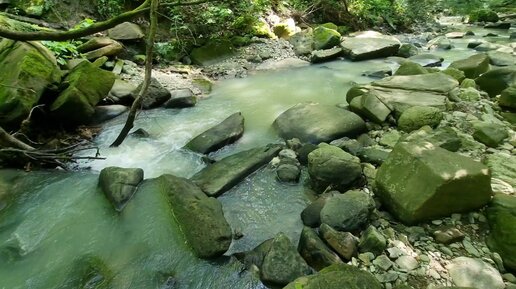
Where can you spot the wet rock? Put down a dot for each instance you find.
(324, 55)
(431, 176)
(337, 277)
(119, 184)
(501, 58)
(443, 137)
(156, 94)
(418, 116)
(107, 112)
(427, 60)
(378, 73)
(212, 52)
(304, 151)
(32, 68)
(448, 236)
(372, 241)
(498, 25)
(490, 134)
(200, 217)
(329, 165)
(455, 35)
(221, 176)
(314, 251)
(440, 42)
(311, 215)
(475, 42)
(288, 173)
(282, 263)
(407, 50)
(468, 272)
(486, 46)
(126, 31)
(226, 132)
(141, 133)
(363, 48)
(122, 92)
(347, 212)
(181, 98)
(325, 38)
(473, 66)
(88, 272)
(501, 215)
(508, 98)
(86, 86)
(332, 123)
(410, 68)
(343, 243)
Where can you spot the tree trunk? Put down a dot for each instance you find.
(146, 81)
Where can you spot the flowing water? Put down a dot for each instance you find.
(55, 219)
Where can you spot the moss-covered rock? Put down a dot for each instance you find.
(212, 52)
(472, 66)
(338, 276)
(508, 98)
(87, 85)
(283, 30)
(420, 182)
(455, 73)
(418, 116)
(410, 68)
(325, 38)
(483, 15)
(28, 68)
(501, 215)
(497, 80)
(490, 134)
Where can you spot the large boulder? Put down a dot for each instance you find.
(371, 106)
(331, 166)
(222, 134)
(302, 42)
(420, 182)
(156, 94)
(418, 116)
(496, 80)
(86, 86)
(27, 69)
(469, 272)
(473, 66)
(501, 215)
(314, 250)
(212, 52)
(315, 123)
(119, 184)
(282, 263)
(337, 276)
(508, 98)
(325, 38)
(363, 48)
(221, 176)
(433, 82)
(347, 212)
(500, 58)
(200, 217)
(126, 31)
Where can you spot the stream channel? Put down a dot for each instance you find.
(55, 219)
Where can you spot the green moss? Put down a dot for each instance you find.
(325, 38)
(483, 15)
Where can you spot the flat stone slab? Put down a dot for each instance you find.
(226, 132)
(363, 48)
(316, 123)
(221, 176)
(433, 82)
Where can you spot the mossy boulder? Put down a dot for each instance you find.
(119, 184)
(420, 182)
(315, 252)
(483, 15)
(418, 116)
(459, 75)
(497, 80)
(337, 276)
(501, 215)
(28, 68)
(410, 68)
(283, 30)
(212, 52)
(490, 134)
(508, 98)
(86, 86)
(325, 38)
(472, 66)
(363, 48)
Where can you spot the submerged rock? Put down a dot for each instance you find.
(119, 184)
(501, 215)
(420, 182)
(221, 176)
(226, 132)
(362, 48)
(337, 277)
(282, 263)
(200, 217)
(331, 166)
(87, 85)
(332, 123)
(88, 272)
(315, 252)
(31, 68)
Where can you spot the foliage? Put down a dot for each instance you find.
(109, 8)
(483, 15)
(63, 50)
